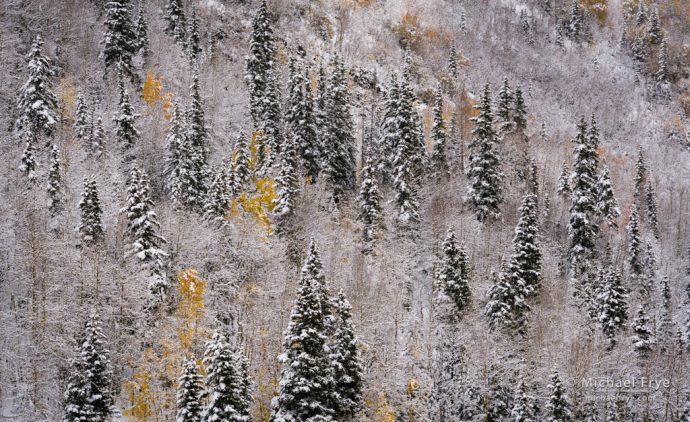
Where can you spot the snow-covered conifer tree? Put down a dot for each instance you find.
(227, 382)
(37, 104)
(142, 28)
(369, 206)
(643, 338)
(652, 210)
(613, 307)
(218, 197)
(259, 62)
(176, 22)
(439, 160)
(453, 274)
(453, 62)
(126, 132)
(190, 392)
(607, 206)
(82, 131)
(55, 183)
(241, 161)
(563, 188)
(634, 242)
(90, 227)
(504, 102)
(557, 405)
(519, 109)
(288, 186)
(28, 161)
(120, 42)
(485, 192)
(526, 251)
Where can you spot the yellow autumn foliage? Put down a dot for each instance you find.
(68, 95)
(259, 205)
(383, 412)
(139, 393)
(191, 307)
(152, 94)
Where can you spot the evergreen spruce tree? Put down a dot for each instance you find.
(563, 188)
(241, 161)
(89, 394)
(193, 38)
(666, 326)
(176, 138)
(120, 42)
(321, 110)
(643, 338)
(576, 21)
(662, 73)
(82, 131)
(306, 389)
(485, 192)
(453, 62)
(288, 186)
(218, 197)
(28, 162)
(523, 404)
(581, 230)
(651, 210)
(526, 251)
(453, 274)
(259, 62)
(388, 143)
(607, 206)
(533, 179)
(439, 161)
(370, 210)
(640, 174)
(519, 109)
(187, 190)
(506, 307)
(634, 242)
(55, 183)
(90, 228)
(496, 400)
(346, 364)
(505, 100)
(176, 22)
(593, 140)
(37, 104)
(272, 120)
(190, 392)
(641, 16)
(655, 34)
(197, 133)
(97, 142)
(142, 32)
(226, 381)
(299, 119)
(126, 132)
(405, 194)
(410, 127)
(557, 405)
(142, 224)
(339, 134)
(613, 307)
(639, 52)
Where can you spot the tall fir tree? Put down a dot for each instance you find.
(641, 16)
(523, 404)
(453, 274)
(175, 21)
(666, 326)
(272, 120)
(527, 255)
(652, 217)
(662, 73)
(54, 188)
(576, 21)
(306, 388)
(142, 224)
(613, 307)
(241, 161)
(89, 395)
(29, 164)
(439, 161)
(634, 242)
(120, 41)
(82, 131)
(607, 206)
(581, 229)
(90, 228)
(227, 382)
(503, 104)
(197, 132)
(346, 363)
(193, 38)
(125, 130)
(338, 138)
(299, 118)
(259, 62)
(485, 192)
(563, 188)
(643, 338)
(218, 198)
(519, 109)
(37, 104)
(190, 393)
(654, 30)
(388, 142)
(176, 137)
(506, 307)
(97, 141)
(557, 405)
(453, 62)
(288, 186)
(142, 29)
(370, 210)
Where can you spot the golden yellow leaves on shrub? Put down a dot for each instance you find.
(259, 205)
(152, 94)
(412, 387)
(599, 8)
(191, 307)
(68, 94)
(139, 394)
(383, 412)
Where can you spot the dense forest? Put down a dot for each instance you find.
(345, 210)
